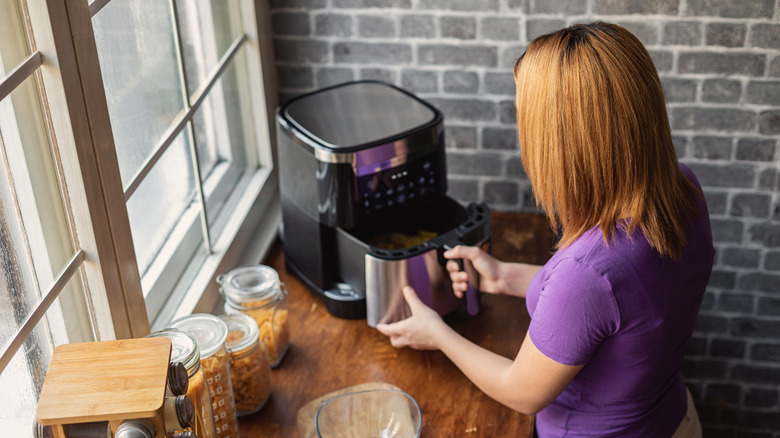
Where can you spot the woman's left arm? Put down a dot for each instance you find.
(526, 384)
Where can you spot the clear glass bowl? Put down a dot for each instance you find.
(380, 413)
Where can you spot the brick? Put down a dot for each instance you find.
(763, 92)
(722, 279)
(286, 96)
(712, 324)
(761, 282)
(741, 257)
(301, 51)
(460, 82)
(769, 179)
(331, 76)
(306, 4)
(725, 34)
(405, 4)
(380, 53)
(731, 8)
(708, 301)
(721, 90)
(540, 26)
(766, 352)
(727, 348)
(514, 168)
(712, 148)
(769, 306)
(622, 7)
(333, 25)
(563, 7)
(755, 328)
(750, 64)
(420, 81)
(724, 392)
(417, 26)
(679, 90)
(683, 33)
(499, 139)
(772, 261)
(460, 5)
(761, 398)
(713, 119)
(295, 77)
(766, 233)
(756, 149)
(501, 193)
(462, 28)
(469, 110)
(447, 54)
(461, 137)
(729, 175)
(663, 60)
(460, 163)
(500, 28)
(291, 23)
(379, 74)
(680, 145)
(774, 67)
(696, 346)
(738, 303)
(769, 122)
(705, 368)
(717, 202)
(500, 83)
(646, 33)
(750, 205)
(765, 36)
(464, 190)
(506, 111)
(760, 419)
(518, 5)
(370, 26)
(726, 230)
(509, 56)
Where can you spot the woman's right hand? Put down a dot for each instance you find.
(485, 265)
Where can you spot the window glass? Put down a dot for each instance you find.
(137, 52)
(208, 28)
(159, 202)
(12, 37)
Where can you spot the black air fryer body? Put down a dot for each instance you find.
(357, 160)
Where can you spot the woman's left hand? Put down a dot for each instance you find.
(420, 331)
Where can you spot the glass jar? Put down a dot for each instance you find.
(185, 349)
(210, 333)
(257, 292)
(250, 368)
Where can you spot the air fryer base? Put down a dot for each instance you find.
(340, 300)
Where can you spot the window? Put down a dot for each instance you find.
(136, 165)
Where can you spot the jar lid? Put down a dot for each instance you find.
(246, 282)
(209, 331)
(184, 348)
(242, 332)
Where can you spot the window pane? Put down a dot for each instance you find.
(160, 200)
(140, 75)
(208, 28)
(13, 41)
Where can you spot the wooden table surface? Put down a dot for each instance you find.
(329, 353)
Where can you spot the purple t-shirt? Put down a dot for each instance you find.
(626, 313)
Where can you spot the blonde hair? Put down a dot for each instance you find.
(595, 138)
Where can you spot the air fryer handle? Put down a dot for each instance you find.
(471, 295)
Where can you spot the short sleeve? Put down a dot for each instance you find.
(575, 312)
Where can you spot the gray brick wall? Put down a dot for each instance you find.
(719, 61)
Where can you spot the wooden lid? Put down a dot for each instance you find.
(107, 380)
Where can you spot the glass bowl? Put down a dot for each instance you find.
(380, 413)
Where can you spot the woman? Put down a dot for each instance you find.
(612, 310)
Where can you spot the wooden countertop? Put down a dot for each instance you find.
(329, 353)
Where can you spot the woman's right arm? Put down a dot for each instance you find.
(496, 277)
